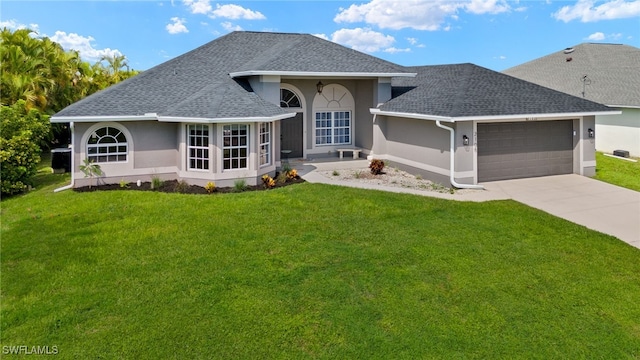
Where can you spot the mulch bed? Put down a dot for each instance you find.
(175, 186)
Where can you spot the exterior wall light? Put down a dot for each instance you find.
(319, 86)
(591, 132)
(465, 140)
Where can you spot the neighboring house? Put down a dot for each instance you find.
(604, 73)
(226, 110)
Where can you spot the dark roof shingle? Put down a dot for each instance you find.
(197, 84)
(466, 90)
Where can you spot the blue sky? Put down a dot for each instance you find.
(492, 33)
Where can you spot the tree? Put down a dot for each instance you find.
(48, 78)
(20, 133)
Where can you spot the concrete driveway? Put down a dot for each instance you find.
(597, 205)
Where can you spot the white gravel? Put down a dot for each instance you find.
(391, 177)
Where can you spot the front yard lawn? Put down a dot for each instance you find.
(310, 271)
(618, 172)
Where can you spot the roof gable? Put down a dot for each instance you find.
(197, 84)
(276, 52)
(612, 72)
(468, 90)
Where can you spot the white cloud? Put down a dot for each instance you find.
(419, 14)
(234, 12)
(13, 24)
(321, 36)
(83, 45)
(177, 26)
(230, 27)
(393, 50)
(198, 6)
(415, 42)
(226, 11)
(487, 6)
(362, 39)
(597, 36)
(587, 11)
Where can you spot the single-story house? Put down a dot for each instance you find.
(604, 73)
(228, 110)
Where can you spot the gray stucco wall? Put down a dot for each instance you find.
(153, 149)
(420, 141)
(266, 88)
(363, 97)
(619, 132)
(588, 146)
(421, 147)
(155, 143)
(464, 153)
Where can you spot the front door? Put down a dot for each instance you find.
(291, 136)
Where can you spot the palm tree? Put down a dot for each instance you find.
(115, 64)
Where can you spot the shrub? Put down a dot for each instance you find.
(282, 178)
(90, 170)
(239, 185)
(123, 184)
(292, 174)
(268, 181)
(376, 166)
(156, 183)
(21, 131)
(210, 187)
(181, 187)
(335, 173)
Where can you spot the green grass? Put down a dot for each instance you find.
(310, 271)
(618, 172)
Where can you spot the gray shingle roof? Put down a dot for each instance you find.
(308, 53)
(197, 84)
(464, 90)
(613, 71)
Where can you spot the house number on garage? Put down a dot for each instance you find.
(531, 119)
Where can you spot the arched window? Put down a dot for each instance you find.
(107, 144)
(333, 110)
(288, 99)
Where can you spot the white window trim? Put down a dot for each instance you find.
(188, 148)
(336, 94)
(333, 127)
(269, 143)
(84, 154)
(248, 146)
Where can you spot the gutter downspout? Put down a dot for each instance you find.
(452, 141)
(71, 128)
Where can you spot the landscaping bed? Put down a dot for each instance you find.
(175, 186)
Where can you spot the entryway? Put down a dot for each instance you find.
(291, 136)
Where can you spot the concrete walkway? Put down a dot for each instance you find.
(597, 205)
